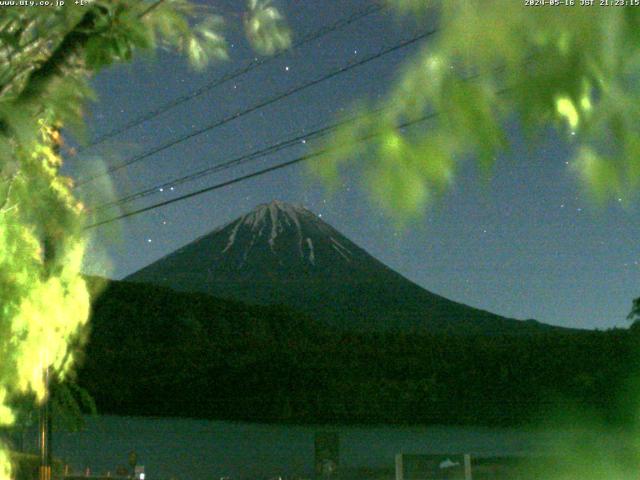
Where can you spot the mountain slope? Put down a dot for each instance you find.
(284, 254)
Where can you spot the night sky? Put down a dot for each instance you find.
(525, 244)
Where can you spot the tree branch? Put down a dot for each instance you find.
(77, 38)
(36, 45)
(151, 7)
(3, 207)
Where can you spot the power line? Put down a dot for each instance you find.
(241, 160)
(229, 164)
(242, 178)
(260, 105)
(340, 24)
(211, 188)
(208, 171)
(202, 173)
(279, 166)
(257, 154)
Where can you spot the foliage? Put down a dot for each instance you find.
(634, 315)
(46, 59)
(69, 404)
(266, 28)
(26, 466)
(155, 352)
(494, 63)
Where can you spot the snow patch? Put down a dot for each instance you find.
(294, 217)
(273, 211)
(341, 249)
(232, 237)
(269, 221)
(282, 215)
(312, 256)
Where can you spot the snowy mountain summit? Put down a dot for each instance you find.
(291, 232)
(274, 242)
(284, 254)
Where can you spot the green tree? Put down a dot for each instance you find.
(70, 403)
(634, 314)
(490, 63)
(47, 56)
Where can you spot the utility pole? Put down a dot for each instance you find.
(45, 431)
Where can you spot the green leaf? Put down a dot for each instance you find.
(197, 54)
(266, 28)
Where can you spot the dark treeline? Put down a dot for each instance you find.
(155, 352)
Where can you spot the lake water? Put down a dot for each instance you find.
(200, 449)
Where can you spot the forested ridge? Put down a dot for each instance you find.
(153, 351)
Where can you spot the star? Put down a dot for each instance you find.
(148, 240)
(286, 68)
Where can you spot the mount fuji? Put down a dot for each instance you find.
(284, 254)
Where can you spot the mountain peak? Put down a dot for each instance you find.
(281, 205)
(286, 230)
(274, 241)
(281, 253)
(276, 209)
